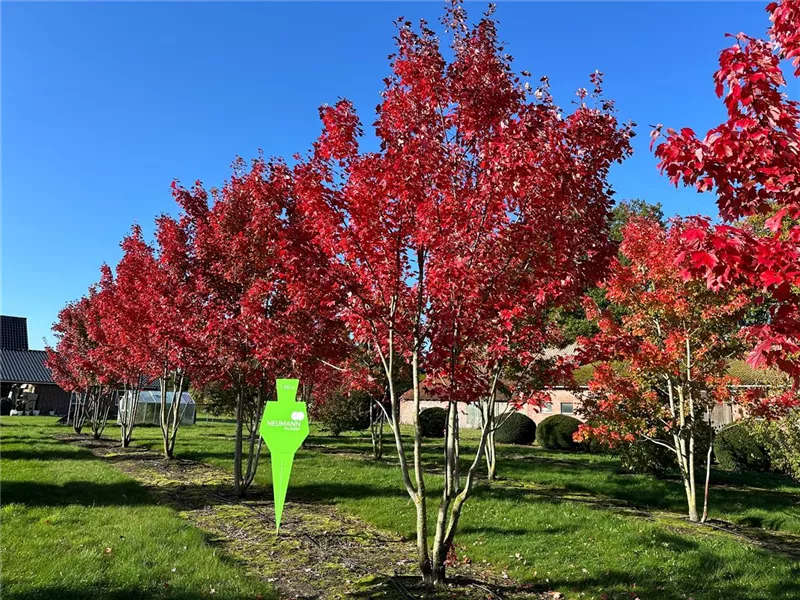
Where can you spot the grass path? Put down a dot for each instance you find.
(320, 553)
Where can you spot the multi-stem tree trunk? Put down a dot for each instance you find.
(170, 411)
(127, 411)
(431, 560)
(79, 415)
(100, 406)
(243, 475)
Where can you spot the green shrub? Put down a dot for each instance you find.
(781, 438)
(342, 411)
(555, 433)
(432, 422)
(647, 458)
(737, 449)
(515, 428)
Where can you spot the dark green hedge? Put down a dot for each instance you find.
(737, 449)
(342, 411)
(432, 422)
(515, 428)
(555, 433)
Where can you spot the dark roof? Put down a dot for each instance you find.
(24, 366)
(13, 333)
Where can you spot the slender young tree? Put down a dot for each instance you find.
(484, 203)
(178, 309)
(80, 362)
(125, 313)
(249, 249)
(673, 342)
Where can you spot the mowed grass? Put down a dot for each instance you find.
(550, 522)
(75, 527)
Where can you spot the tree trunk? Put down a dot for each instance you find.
(170, 413)
(79, 416)
(128, 416)
(376, 421)
(98, 413)
(419, 498)
(491, 448)
(237, 448)
(704, 518)
(243, 476)
(688, 480)
(454, 495)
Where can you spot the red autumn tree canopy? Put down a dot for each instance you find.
(673, 335)
(485, 203)
(661, 367)
(752, 163)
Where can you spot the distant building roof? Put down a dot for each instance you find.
(13, 333)
(24, 366)
(746, 375)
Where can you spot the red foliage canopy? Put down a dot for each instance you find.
(666, 357)
(484, 204)
(752, 163)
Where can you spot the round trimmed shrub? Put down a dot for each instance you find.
(737, 449)
(516, 428)
(342, 411)
(432, 422)
(555, 433)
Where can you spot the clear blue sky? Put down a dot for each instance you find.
(103, 104)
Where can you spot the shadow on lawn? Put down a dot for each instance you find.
(718, 578)
(38, 452)
(60, 592)
(648, 493)
(86, 493)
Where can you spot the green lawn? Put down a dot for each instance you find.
(74, 527)
(577, 546)
(549, 522)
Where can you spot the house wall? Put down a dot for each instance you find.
(52, 397)
(563, 402)
(469, 415)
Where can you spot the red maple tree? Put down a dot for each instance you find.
(125, 314)
(661, 367)
(751, 162)
(83, 361)
(484, 204)
(250, 249)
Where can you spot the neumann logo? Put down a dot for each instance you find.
(294, 423)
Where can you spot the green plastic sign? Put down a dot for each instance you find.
(284, 426)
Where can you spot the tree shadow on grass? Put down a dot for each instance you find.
(85, 493)
(717, 581)
(37, 452)
(63, 592)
